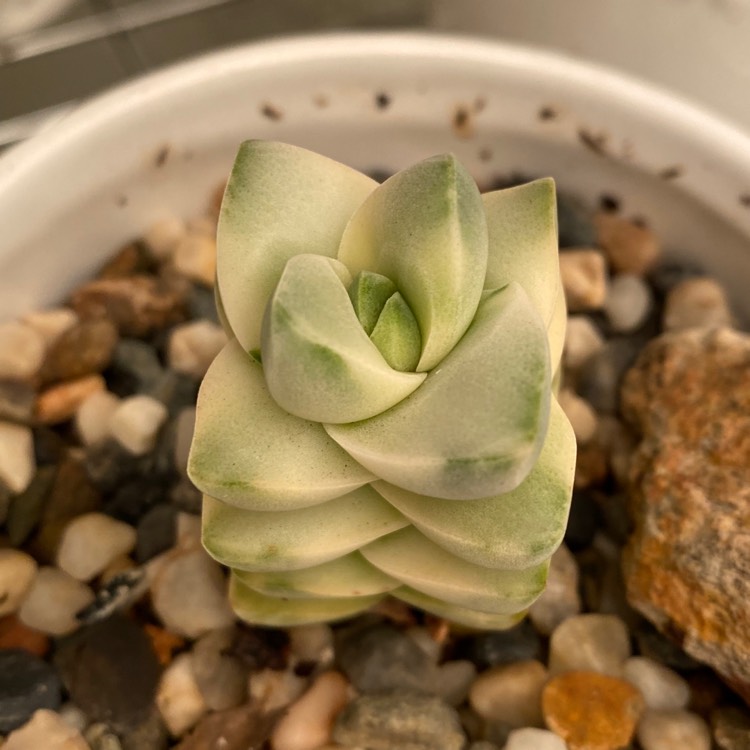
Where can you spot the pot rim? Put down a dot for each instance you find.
(698, 124)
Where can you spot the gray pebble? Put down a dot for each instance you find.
(575, 222)
(493, 648)
(600, 377)
(135, 368)
(157, 531)
(399, 719)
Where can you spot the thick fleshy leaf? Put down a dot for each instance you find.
(281, 200)
(348, 576)
(425, 567)
(470, 618)
(425, 229)
(318, 361)
(249, 452)
(522, 226)
(476, 425)
(512, 531)
(369, 292)
(272, 611)
(295, 539)
(556, 330)
(396, 334)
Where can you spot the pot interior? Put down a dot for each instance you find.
(160, 145)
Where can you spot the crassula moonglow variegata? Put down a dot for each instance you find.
(382, 421)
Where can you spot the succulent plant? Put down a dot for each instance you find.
(383, 418)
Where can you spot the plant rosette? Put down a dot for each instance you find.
(383, 420)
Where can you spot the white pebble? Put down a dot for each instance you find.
(17, 571)
(22, 350)
(696, 303)
(189, 594)
(273, 689)
(584, 278)
(668, 730)
(136, 423)
(195, 257)
(73, 716)
(178, 697)
(590, 642)
(309, 721)
(184, 429)
(454, 680)
(662, 688)
(46, 729)
(312, 643)
(583, 419)
(17, 460)
(193, 346)
(53, 601)
(93, 417)
(510, 693)
(51, 324)
(560, 598)
(582, 341)
(90, 542)
(529, 738)
(162, 236)
(629, 301)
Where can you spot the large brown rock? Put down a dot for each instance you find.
(687, 565)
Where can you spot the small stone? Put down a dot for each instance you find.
(312, 644)
(582, 341)
(21, 351)
(194, 257)
(179, 698)
(135, 497)
(101, 737)
(189, 594)
(592, 468)
(454, 680)
(584, 278)
(119, 590)
(510, 694)
(221, 677)
(590, 642)
(731, 728)
(491, 649)
(131, 259)
(380, 657)
(534, 739)
(193, 346)
(202, 304)
(629, 247)
(162, 236)
(156, 532)
(51, 324)
(184, 428)
(560, 599)
(660, 648)
(308, 722)
(47, 730)
(580, 414)
(240, 728)
(591, 711)
(666, 730)
(17, 462)
(94, 415)
(53, 601)
(91, 542)
(58, 403)
(600, 378)
(72, 492)
(175, 391)
(27, 683)
(137, 305)
(135, 368)
(16, 401)
(136, 423)
(17, 572)
(575, 221)
(149, 734)
(15, 635)
(629, 301)
(662, 688)
(696, 303)
(83, 349)
(110, 672)
(274, 689)
(73, 716)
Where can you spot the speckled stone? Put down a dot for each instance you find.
(592, 711)
(686, 565)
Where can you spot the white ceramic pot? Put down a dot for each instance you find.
(157, 146)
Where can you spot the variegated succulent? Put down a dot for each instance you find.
(383, 419)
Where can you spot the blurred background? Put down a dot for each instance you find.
(55, 53)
